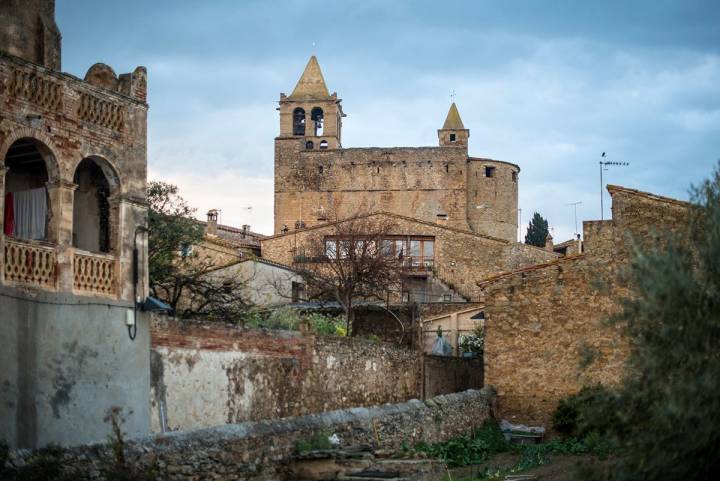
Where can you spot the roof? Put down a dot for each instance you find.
(485, 159)
(311, 84)
(534, 267)
(453, 120)
(389, 214)
(648, 195)
(261, 260)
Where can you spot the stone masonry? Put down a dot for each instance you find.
(546, 335)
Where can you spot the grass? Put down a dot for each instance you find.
(479, 446)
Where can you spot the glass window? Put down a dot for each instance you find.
(415, 248)
(345, 249)
(400, 247)
(428, 249)
(387, 247)
(331, 249)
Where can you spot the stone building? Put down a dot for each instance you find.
(545, 330)
(317, 180)
(72, 193)
(455, 216)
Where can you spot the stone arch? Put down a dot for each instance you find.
(95, 208)
(299, 121)
(45, 145)
(317, 117)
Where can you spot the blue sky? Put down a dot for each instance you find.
(546, 85)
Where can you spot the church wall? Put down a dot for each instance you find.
(492, 202)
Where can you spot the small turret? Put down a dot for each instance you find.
(453, 132)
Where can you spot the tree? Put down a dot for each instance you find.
(669, 403)
(178, 275)
(537, 231)
(352, 262)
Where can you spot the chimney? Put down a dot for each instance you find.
(211, 227)
(245, 230)
(549, 243)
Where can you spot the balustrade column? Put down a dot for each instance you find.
(60, 230)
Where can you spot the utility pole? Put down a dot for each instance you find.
(575, 204)
(603, 166)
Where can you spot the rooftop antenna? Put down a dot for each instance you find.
(604, 164)
(575, 204)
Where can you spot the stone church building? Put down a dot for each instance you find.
(456, 216)
(316, 179)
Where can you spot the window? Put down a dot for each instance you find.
(298, 291)
(299, 121)
(514, 176)
(309, 145)
(447, 297)
(185, 250)
(323, 144)
(452, 137)
(405, 296)
(331, 248)
(316, 115)
(489, 171)
(320, 169)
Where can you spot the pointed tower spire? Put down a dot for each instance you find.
(453, 132)
(311, 84)
(453, 120)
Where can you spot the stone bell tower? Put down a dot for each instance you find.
(310, 113)
(29, 31)
(453, 132)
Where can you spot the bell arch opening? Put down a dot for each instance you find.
(94, 216)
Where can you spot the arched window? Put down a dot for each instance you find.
(92, 213)
(323, 144)
(309, 145)
(299, 121)
(317, 118)
(27, 205)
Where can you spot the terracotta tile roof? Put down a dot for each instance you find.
(535, 267)
(389, 214)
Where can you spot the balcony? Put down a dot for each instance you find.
(30, 262)
(35, 264)
(417, 265)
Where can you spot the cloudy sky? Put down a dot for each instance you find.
(546, 85)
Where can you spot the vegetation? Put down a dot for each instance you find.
(116, 468)
(43, 465)
(572, 416)
(482, 444)
(537, 231)
(179, 276)
(666, 413)
(351, 264)
(474, 342)
(290, 319)
(317, 442)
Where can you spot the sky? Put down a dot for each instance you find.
(549, 86)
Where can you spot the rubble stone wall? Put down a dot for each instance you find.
(256, 451)
(546, 330)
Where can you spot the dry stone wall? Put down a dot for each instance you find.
(205, 374)
(260, 451)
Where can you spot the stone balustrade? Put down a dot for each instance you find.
(29, 262)
(94, 273)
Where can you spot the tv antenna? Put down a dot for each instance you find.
(604, 164)
(575, 204)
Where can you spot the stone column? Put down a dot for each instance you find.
(60, 229)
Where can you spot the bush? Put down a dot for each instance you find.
(575, 415)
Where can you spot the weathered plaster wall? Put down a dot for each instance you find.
(545, 330)
(256, 451)
(204, 374)
(65, 361)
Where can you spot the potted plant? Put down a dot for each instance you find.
(472, 345)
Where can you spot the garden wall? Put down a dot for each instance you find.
(205, 374)
(255, 451)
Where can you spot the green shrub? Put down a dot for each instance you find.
(317, 442)
(574, 415)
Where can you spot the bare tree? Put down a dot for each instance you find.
(350, 261)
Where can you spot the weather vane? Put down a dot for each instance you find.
(452, 95)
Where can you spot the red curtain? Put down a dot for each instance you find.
(9, 216)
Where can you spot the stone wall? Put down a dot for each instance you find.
(205, 374)
(445, 375)
(461, 256)
(545, 330)
(256, 451)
